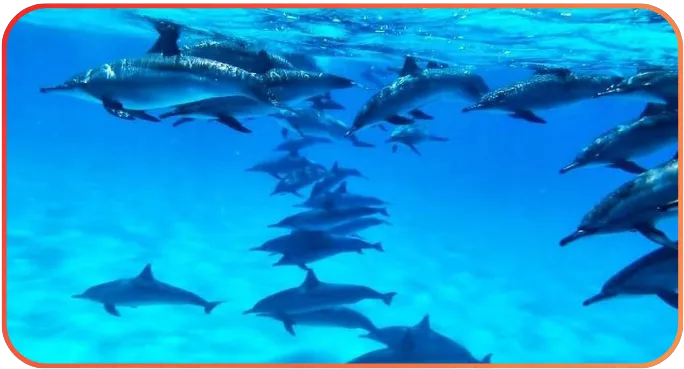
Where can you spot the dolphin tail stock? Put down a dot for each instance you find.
(527, 115)
(388, 297)
(580, 233)
(487, 359)
(598, 297)
(669, 297)
(654, 234)
(210, 306)
(627, 166)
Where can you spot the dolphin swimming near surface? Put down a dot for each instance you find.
(142, 290)
(635, 206)
(411, 136)
(652, 274)
(656, 127)
(324, 219)
(656, 86)
(336, 245)
(313, 295)
(342, 317)
(415, 88)
(548, 88)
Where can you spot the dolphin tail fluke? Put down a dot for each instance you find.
(111, 310)
(233, 123)
(574, 237)
(210, 306)
(627, 166)
(395, 147)
(116, 109)
(528, 115)
(487, 359)
(388, 297)
(167, 42)
(378, 246)
(596, 298)
(669, 297)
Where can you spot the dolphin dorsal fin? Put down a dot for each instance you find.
(146, 273)
(407, 343)
(335, 167)
(435, 65)
(311, 281)
(342, 188)
(264, 59)
(652, 109)
(410, 67)
(424, 324)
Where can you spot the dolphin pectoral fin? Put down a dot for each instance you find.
(669, 297)
(116, 109)
(181, 121)
(414, 149)
(288, 322)
(419, 114)
(438, 138)
(382, 127)
(139, 114)
(580, 233)
(528, 115)
(399, 120)
(111, 309)
(233, 123)
(649, 231)
(284, 132)
(627, 166)
(395, 147)
(358, 143)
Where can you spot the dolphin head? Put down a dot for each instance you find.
(338, 82)
(99, 292)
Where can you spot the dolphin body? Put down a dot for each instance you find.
(341, 317)
(657, 126)
(335, 245)
(285, 164)
(357, 225)
(314, 295)
(415, 88)
(548, 88)
(321, 220)
(335, 176)
(411, 136)
(313, 123)
(655, 85)
(296, 180)
(652, 274)
(296, 242)
(426, 341)
(341, 198)
(635, 206)
(142, 290)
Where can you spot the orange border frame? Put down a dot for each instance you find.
(375, 6)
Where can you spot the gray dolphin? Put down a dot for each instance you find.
(311, 122)
(548, 88)
(635, 206)
(657, 86)
(281, 166)
(335, 176)
(331, 317)
(655, 128)
(142, 290)
(296, 180)
(298, 144)
(313, 295)
(415, 88)
(351, 228)
(411, 136)
(652, 274)
(341, 198)
(320, 220)
(336, 245)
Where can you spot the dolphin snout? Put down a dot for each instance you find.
(55, 88)
(78, 296)
(569, 167)
(474, 107)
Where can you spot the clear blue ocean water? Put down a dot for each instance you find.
(476, 220)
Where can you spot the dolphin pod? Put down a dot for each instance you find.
(230, 81)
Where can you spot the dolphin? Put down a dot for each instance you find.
(299, 179)
(335, 176)
(298, 144)
(225, 110)
(426, 340)
(321, 220)
(415, 88)
(336, 245)
(341, 198)
(144, 289)
(657, 86)
(652, 274)
(314, 295)
(285, 164)
(330, 317)
(548, 88)
(325, 102)
(357, 225)
(656, 127)
(299, 85)
(296, 242)
(411, 136)
(635, 206)
(311, 122)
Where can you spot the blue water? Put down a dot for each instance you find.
(476, 220)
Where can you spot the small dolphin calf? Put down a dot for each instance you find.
(657, 86)
(313, 295)
(415, 88)
(655, 128)
(141, 290)
(321, 220)
(283, 165)
(335, 245)
(310, 122)
(296, 180)
(331, 317)
(335, 176)
(297, 144)
(652, 274)
(357, 225)
(341, 198)
(548, 88)
(411, 136)
(634, 206)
